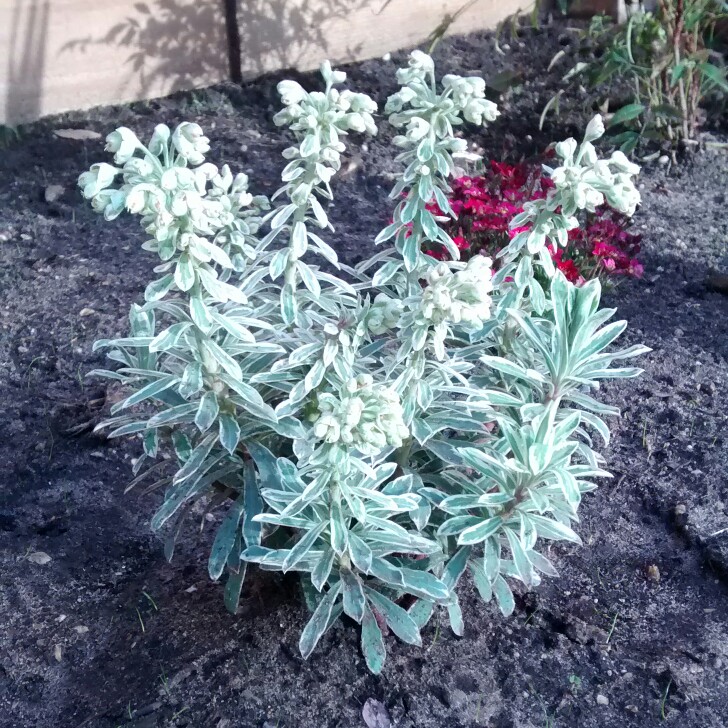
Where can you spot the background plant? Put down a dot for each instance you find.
(382, 430)
(666, 57)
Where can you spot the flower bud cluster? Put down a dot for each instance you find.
(319, 118)
(582, 182)
(450, 298)
(424, 112)
(384, 314)
(585, 182)
(365, 417)
(199, 210)
(461, 298)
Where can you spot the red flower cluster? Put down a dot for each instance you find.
(484, 207)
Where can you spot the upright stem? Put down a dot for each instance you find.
(678, 22)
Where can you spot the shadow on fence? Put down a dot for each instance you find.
(26, 55)
(188, 43)
(280, 34)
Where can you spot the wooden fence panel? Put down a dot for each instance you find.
(58, 55)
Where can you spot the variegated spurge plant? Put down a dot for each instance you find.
(384, 429)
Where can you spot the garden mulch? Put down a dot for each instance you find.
(98, 630)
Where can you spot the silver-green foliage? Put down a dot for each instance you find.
(381, 430)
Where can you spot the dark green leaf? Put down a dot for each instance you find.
(319, 622)
(372, 643)
(229, 432)
(354, 600)
(252, 530)
(207, 411)
(233, 588)
(481, 531)
(504, 595)
(626, 113)
(225, 539)
(399, 621)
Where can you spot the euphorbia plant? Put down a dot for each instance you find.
(379, 431)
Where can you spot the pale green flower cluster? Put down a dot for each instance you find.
(318, 120)
(364, 416)
(428, 117)
(452, 298)
(320, 117)
(424, 112)
(461, 297)
(196, 217)
(582, 182)
(585, 182)
(384, 314)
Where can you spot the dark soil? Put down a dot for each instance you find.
(107, 633)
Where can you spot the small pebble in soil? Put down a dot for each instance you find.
(53, 192)
(653, 573)
(602, 699)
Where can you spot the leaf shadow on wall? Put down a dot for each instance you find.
(183, 44)
(26, 60)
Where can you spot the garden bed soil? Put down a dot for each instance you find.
(98, 630)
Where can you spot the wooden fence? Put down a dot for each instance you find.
(58, 55)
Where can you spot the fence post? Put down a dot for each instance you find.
(232, 33)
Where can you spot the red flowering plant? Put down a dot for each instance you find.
(485, 204)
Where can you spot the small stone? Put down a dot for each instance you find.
(86, 312)
(387, 57)
(81, 629)
(58, 653)
(664, 159)
(77, 134)
(375, 714)
(39, 557)
(653, 573)
(53, 192)
(632, 708)
(681, 509)
(602, 699)
(707, 388)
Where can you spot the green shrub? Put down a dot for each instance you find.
(383, 429)
(666, 59)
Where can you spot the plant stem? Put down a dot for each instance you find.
(677, 32)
